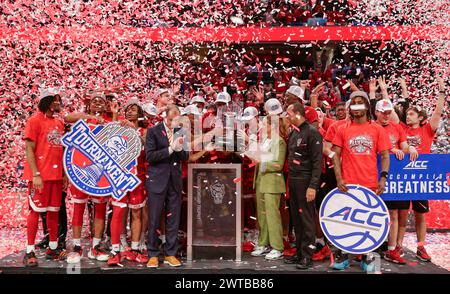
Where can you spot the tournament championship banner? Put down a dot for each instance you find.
(101, 160)
(426, 178)
(356, 222)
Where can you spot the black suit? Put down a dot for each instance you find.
(164, 186)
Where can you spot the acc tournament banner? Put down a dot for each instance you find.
(426, 178)
(101, 160)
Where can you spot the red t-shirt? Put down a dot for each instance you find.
(331, 132)
(360, 145)
(327, 122)
(421, 138)
(396, 134)
(46, 132)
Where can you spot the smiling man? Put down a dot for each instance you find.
(356, 146)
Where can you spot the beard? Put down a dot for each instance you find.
(359, 114)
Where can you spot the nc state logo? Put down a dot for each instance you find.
(414, 140)
(54, 137)
(361, 144)
(101, 160)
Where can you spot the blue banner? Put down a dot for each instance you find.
(427, 178)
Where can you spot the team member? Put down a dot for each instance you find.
(420, 134)
(44, 171)
(356, 147)
(135, 200)
(96, 106)
(305, 166)
(397, 137)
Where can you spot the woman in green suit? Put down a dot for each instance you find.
(269, 183)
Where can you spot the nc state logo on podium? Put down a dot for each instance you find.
(101, 160)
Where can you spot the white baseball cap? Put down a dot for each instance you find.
(198, 99)
(273, 106)
(384, 105)
(150, 108)
(249, 113)
(48, 92)
(190, 109)
(161, 91)
(133, 101)
(296, 91)
(223, 97)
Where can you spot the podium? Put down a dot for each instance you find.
(214, 212)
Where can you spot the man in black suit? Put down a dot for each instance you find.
(165, 149)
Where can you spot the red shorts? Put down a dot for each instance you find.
(81, 197)
(49, 199)
(135, 199)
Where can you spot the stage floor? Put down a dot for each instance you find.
(12, 264)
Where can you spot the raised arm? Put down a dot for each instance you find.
(436, 116)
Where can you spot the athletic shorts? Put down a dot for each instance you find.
(81, 197)
(48, 199)
(134, 200)
(420, 206)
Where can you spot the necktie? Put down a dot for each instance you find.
(169, 136)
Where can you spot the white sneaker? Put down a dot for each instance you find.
(274, 255)
(260, 251)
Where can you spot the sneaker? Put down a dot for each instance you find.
(98, 253)
(400, 250)
(153, 262)
(260, 251)
(290, 252)
(394, 256)
(141, 258)
(367, 266)
(30, 259)
(76, 255)
(114, 258)
(43, 244)
(172, 261)
(292, 259)
(422, 254)
(341, 262)
(304, 264)
(274, 255)
(57, 254)
(136, 255)
(322, 254)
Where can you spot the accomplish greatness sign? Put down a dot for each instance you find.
(426, 178)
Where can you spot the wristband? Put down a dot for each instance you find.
(331, 154)
(384, 174)
(37, 174)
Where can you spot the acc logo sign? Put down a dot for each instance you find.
(418, 164)
(101, 160)
(356, 222)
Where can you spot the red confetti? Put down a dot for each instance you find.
(295, 161)
(236, 180)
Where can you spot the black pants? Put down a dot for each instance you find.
(302, 213)
(170, 199)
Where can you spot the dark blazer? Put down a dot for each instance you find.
(163, 167)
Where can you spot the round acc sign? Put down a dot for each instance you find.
(356, 222)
